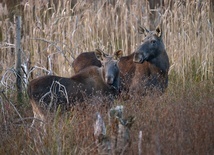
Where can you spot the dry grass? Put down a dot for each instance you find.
(178, 122)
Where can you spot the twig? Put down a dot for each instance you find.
(12, 106)
(5, 122)
(4, 77)
(27, 118)
(6, 45)
(140, 143)
(63, 90)
(124, 149)
(52, 91)
(54, 44)
(37, 67)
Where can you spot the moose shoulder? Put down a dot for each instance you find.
(146, 68)
(50, 92)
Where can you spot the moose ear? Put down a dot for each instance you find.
(158, 31)
(142, 30)
(100, 54)
(118, 54)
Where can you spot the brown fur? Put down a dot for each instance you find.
(83, 64)
(139, 75)
(49, 92)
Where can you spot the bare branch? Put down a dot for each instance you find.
(37, 67)
(4, 96)
(119, 139)
(7, 77)
(53, 93)
(6, 45)
(3, 112)
(52, 43)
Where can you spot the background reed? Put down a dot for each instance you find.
(178, 122)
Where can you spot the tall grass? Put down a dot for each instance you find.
(62, 32)
(178, 122)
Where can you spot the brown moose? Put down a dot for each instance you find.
(145, 69)
(47, 93)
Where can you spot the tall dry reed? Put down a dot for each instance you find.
(54, 35)
(178, 122)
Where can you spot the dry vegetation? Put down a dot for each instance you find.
(178, 122)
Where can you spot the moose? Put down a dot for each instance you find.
(47, 93)
(145, 69)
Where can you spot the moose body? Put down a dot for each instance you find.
(145, 69)
(50, 92)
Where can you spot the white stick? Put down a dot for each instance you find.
(140, 143)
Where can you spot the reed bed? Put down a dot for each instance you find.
(178, 122)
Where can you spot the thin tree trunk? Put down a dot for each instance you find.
(18, 58)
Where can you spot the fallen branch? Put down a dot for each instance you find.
(119, 139)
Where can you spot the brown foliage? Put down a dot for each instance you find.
(178, 122)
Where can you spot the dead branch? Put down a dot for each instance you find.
(119, 139)
(53, 93)
(14, 107)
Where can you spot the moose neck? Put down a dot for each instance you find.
(158, 62)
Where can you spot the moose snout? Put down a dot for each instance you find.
(109, 80)
(139, 57)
